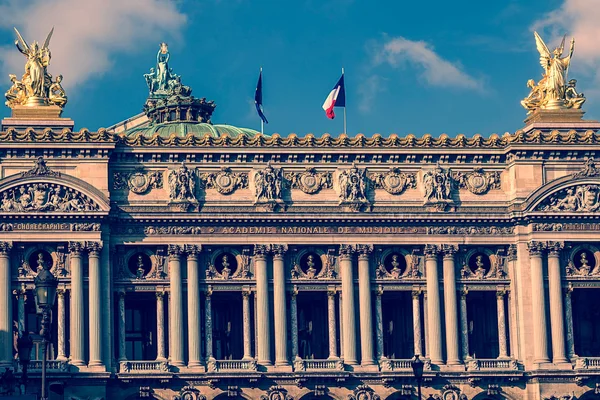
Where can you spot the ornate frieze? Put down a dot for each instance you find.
(309, 181)
(225, 181)
(352, 186)
(478, 181)
(581, 198)
(182, 186)
(45, 197)
(438, 185)
(139, 181)
(40, 169)
(394, 181)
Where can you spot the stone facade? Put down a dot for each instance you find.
(267, 267)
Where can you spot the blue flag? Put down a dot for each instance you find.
(258, 99)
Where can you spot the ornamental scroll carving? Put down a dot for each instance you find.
(470, 230)
(394, 181)
(450, 392)
(310, 181)
(45, 197)
(139, 182)
(396, 270)
(225, 181)
(478, 181)
(189, 393)
(310, 270)
(589, 170)
(353, 184)
(438, 185)
(582, 265)
(363, 392)
(276, 393)
(497, 267)
(582, 198)
(40, 169)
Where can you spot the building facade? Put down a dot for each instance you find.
(205, 261)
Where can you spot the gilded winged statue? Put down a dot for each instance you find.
(552, 91)
(36, 87)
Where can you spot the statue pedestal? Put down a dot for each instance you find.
(559, 119)
(37, 117)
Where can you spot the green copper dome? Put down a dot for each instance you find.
(183, 129)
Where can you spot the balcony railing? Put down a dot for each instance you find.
(587, 363)
(491, 364)
(231, 365)
(144, 367)
(51, 366)
(393, 364)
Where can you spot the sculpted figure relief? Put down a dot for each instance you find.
(45, 197)
(182, 185)
(268, 184)
(438, 184)
(353, 185)
(583, 198)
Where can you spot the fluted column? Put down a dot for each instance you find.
(464, 324)
(450, 306)
(332, 324)
(502, 342)
(208, 329)
(348, 318)
(569, 322)
(294, 322)
(193, 300)
(280, 314)
(176, 353)
(557, 320)
(76, 301)
(434, 325)
(62, 351)
(365, 307)
(538, 300)
(263, 330)
(6, 328)
(122, 344)
(246, 325)
(95, 303)
(416, 314)
(21, 294)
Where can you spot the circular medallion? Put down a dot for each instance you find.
(138, 183)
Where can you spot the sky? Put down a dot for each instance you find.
(436, 66)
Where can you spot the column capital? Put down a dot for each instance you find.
(76, 248)
(379, 291)
(554, 248)
(294, 291)
(416, 293)
(209, 291)
(536, 248)
(93, 248)
(331, 293)
(159, 295)
(500, 293)
(568, 290)
(261, 250)
(431, 251)
(347, 250)
(175, 251)
(61, 292)
(246, 293)
(279, 250)
(512, 252)
(5, 248)
(449, 250)
(192, 251)
(364, 250)
(464, 292)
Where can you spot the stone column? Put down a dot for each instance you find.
(6, 320)
(294, 322)
(502, 343)
(208, 331)
(569, 321)
(348, 316)
(538, 300)
(95, 304)
(21, 294)
(161, 354)
(464, 324)
(263, 330)
(331, 324)
(176, 352)
(379, 323)
(557, 321)
(247, 332)
(434, 325)
(76, 300)
(450, 306)
(341, 322)
(364, 302)
(62, 351)
(280, 314)
(193, 299)
(416, 311)
(122, 345)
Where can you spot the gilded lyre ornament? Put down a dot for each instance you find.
(36, 87)
(554, 91)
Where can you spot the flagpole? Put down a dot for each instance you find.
(262, 123)
(344, 105)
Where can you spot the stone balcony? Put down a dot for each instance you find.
(491, 364)
(232, 366)
(586, 363)
(393, 364)
(144, 367)
(301, 365)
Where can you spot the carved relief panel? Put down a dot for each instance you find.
(397, 263)
(309, 181)
(394, 181)
(139, 181)
(313, 263)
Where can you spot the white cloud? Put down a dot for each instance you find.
(368, 90)
(433, 69)
(88, 35)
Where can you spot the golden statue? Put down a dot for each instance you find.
(552, 92)
(36, 87)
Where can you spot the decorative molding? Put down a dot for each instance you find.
(394, 181)
(363, 392)
(589, 170)
(470, 230)
(450, 392)
(225, 181)
(139, 181)
(276, 393)
(40, 169)
(478, 181)
(45, 197)
(189, 393)
(309, 181)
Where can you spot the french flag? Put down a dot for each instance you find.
(336, 98)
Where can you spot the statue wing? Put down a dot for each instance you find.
(47, 42)
(21, 43)
(543, 50)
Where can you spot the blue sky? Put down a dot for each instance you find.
(411, 67)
